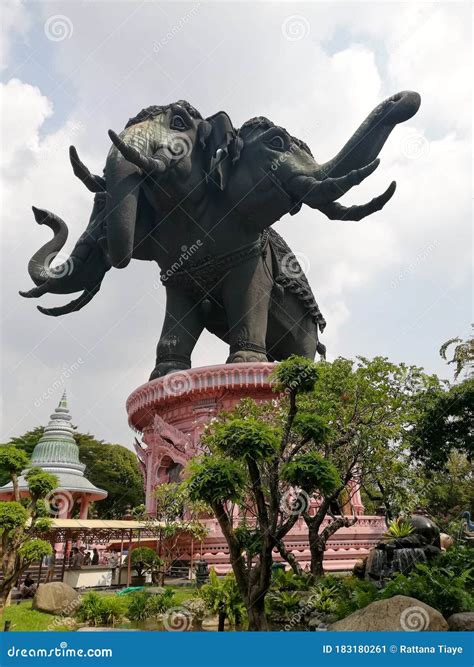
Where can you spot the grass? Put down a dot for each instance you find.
(26, 619)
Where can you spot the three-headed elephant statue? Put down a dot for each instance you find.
(199, 197)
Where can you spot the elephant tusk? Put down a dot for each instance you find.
(92, 182)
(148, 165)
(72, 306)
(336, 211)
(333, 188)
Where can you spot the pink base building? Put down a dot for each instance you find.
(170, 414)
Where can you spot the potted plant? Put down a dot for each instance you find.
(143, 560)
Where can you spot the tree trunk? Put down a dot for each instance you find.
(317, 548)
(256, 613)
(290, 558)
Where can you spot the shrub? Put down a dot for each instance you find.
(436, 586)
(142, 605)
(222, 595)
(144, 560)
(98, 609)
(197, 608)
(398, 528)
(354, 594)
(287, 580)
(282, 604)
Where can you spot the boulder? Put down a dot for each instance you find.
(397, 614)
(462, 622)
(213, 622)
(56, 598)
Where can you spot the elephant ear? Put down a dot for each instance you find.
(222, 147)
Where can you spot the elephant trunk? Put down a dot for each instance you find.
(367, 141)
(123, 180)
(38, 266)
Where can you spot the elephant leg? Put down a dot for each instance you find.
(291, 330)
(181, 329)
(246, 294)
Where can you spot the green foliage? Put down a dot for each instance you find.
(12, 459)
(248, 437)
(287, 580)
(295, 375)
(110, 467)
(312, 472)
(398, 528)
(463, 355)
(442, 588)
(40, 483)
(323, 598)
(197, 608)
(249, 539)
(142, 605)
(34, 549)
(214, 480)
(98, 609)
(12, 516)
(445, 424)
(312, 427)
(222, 595)
(282, 604)
(144, 559)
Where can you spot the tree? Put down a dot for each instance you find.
(20, 526)
(354, 420)
(463, 355)
(110, 467)
(243, 466)
(12, 462)
(178, 516)
(143, 560)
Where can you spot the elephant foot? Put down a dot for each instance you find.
(245, 356)
(171, 366)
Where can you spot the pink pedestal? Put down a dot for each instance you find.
(171, 412)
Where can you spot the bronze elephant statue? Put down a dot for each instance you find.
(199, 197)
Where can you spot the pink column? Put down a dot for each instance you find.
(85, 502)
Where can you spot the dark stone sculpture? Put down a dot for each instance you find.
(202, 572)
(199, 197)
(402, 554)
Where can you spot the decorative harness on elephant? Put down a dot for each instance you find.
(202, 276)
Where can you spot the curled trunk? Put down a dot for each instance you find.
(367, 141)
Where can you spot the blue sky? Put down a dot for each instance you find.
(397, 284)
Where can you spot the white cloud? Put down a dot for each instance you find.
(320, 88)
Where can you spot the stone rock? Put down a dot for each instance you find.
(155, 590)
(462, 621)
(213, 622)
(397, 614)
(56, 598)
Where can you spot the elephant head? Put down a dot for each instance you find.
(278, 173)
(160, 146)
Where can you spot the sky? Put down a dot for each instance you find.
(397, 284)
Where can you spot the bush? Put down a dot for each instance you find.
(144, 560)
(98, 609)
(143, 605)
(197, 608)
(440, 587)
(287, 580)
(222, 595)
(281, 605)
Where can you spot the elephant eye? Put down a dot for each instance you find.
(177, 123)
(277, 142)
